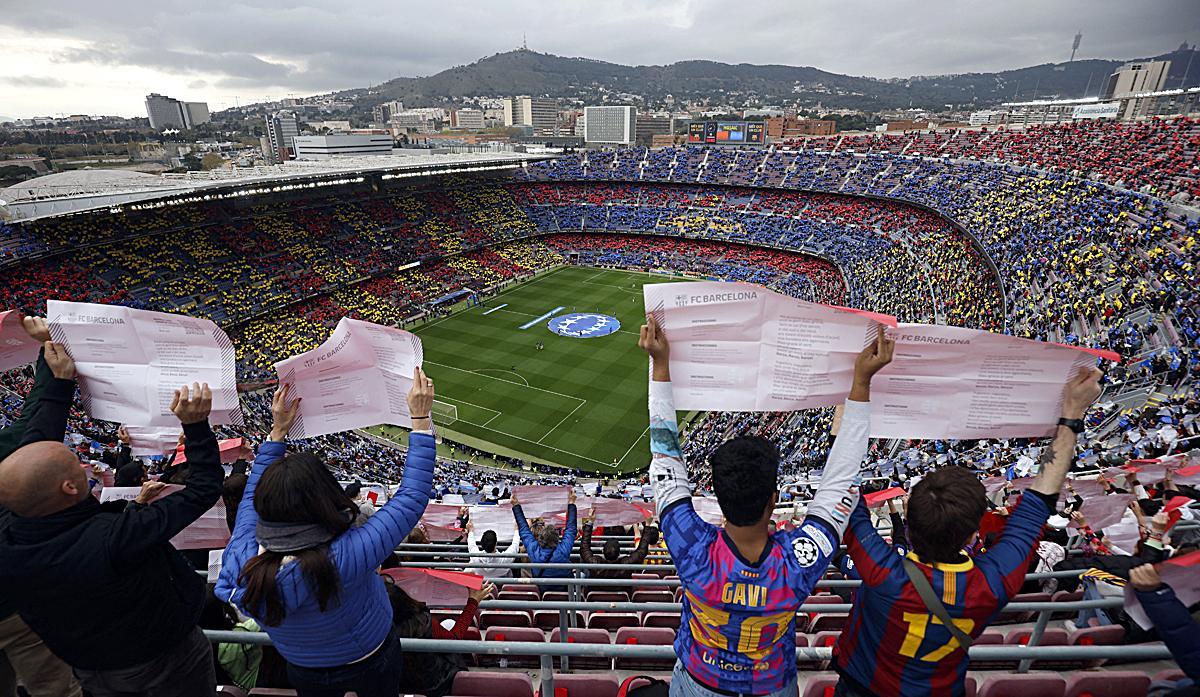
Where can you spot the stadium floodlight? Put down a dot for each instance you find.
(444, 413)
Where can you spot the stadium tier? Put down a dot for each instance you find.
(1076, 234)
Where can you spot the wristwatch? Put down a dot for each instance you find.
(1075, 425)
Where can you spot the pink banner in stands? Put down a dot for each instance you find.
(208, 532)
(1103, 511)
(16, 348)
(436, 587)
(878, 498)
(232, 450)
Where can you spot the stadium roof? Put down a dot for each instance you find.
(85, 190)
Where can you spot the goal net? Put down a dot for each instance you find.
(444, 413)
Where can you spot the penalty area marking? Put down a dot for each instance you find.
(498, 307)
(526, 440)
(484, 371)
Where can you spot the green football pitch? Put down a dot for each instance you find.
(577, 402)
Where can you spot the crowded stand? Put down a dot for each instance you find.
(998, 566)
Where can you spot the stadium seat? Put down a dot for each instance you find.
(612, 621)
(585, 685)
(991, 637)
(1051, 637)
(518, 595)
(607, 597)
(1110, 635)
(520, 588)
(1109, 683)
(479, 683)
(585, 636)
(645, 636)
(504, 618)
(653, 597)
(556, 596)
(552, 619)
(1169, 675)
(669, 620)
(1066, 597)
(824, 638)
(802, 640)
(523, 634)
(1028, 685)
(822, 622)
(1015, 617)
(819, 684)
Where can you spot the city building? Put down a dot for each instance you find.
(282, 128)
(327, 146)
(987, 117)
(784, 127)
(650, 125)
(539, 113)
(470, 119)
(610, 125)
(165, 112)
(1134, 78)
(382, 113)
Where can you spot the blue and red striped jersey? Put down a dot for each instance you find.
(892, 645)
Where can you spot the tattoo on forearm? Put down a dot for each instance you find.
(1048, 455)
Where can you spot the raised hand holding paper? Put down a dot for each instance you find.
(130, 362)
(359, 377)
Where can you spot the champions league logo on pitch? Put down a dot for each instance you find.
(583, 325)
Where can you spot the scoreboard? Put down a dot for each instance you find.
(727, 132)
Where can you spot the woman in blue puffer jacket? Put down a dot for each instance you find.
(299, 566)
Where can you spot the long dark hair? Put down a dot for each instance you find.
(297, 489)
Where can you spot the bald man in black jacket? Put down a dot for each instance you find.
(103, 586)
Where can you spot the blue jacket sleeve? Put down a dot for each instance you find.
(1175, 627)
(562, 552)
(532, 549)
(243, 545)
(361, 550)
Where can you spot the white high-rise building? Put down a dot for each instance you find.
(165, 112)
(611, 125)
(282, 129)
(540, 113)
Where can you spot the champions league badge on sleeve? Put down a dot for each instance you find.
(583, 325)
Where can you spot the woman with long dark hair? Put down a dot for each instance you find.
(298, 565)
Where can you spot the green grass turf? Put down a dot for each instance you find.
(578, 402)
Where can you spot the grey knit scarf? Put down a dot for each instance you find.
(290, 537)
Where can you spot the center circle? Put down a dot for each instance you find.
(583, 325)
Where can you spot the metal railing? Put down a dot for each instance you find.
(1024, 655)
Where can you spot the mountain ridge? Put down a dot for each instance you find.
(595, 81)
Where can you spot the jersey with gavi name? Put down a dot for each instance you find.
(738, 628)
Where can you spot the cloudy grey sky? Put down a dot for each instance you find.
(103, 56)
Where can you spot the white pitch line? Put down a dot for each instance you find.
(497, 295)
(481, 371)
(497, 412)
(560, 423)
(493, 377)
(635, 442)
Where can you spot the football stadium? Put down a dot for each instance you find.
(537, 518)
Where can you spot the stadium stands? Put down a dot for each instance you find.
(1060, 233)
